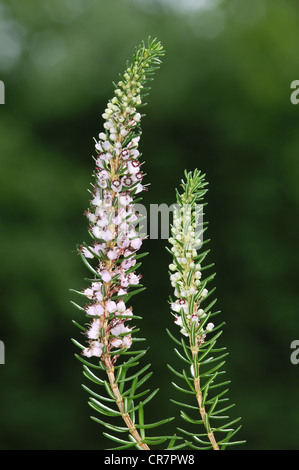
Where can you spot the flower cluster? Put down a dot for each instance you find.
(113, 221)
(186, 270)
(111, 256)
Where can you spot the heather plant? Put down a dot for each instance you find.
(192, 309)
(110, 350)
(113, 259)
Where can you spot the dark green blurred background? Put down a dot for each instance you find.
(221, 103)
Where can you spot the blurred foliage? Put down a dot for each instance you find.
(221, 103)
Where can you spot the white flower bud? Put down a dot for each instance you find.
(204, 293)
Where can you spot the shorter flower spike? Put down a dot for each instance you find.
(192, 311)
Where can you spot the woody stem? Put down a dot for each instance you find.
(119, 401)
(201, 407)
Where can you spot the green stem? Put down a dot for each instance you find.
(119, 401)
(201, 407)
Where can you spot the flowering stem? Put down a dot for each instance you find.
(200, 404)
(192, 316)
(119, 401)
(112, 254)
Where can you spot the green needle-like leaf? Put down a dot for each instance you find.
(191, 282)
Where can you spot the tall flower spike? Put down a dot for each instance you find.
(112, 259)
(192, 312)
